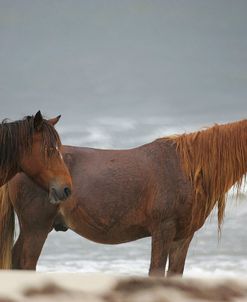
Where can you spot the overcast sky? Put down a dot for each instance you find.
(173, 62)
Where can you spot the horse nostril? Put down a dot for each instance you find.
(67, 191)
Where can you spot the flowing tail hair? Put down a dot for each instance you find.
(7, 228)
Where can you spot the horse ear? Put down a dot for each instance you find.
(38, 120)
(54, 120)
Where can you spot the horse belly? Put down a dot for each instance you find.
(108, 214)
(114, 236)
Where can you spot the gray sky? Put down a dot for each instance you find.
(177, 63)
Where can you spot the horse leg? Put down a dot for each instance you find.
(17, 251)
(27, 248)
(177, 256)
(35, 215)
(162, 238)
(29, 244)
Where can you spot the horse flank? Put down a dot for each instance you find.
(17, 138)
(214, 160)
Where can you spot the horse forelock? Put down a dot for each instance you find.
(17, 138)
(214, 160)
(51, 140)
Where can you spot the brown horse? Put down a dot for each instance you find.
(32, 146)
(164, 189)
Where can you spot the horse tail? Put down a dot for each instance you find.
(7, 228)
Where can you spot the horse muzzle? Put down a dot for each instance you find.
(58, 194)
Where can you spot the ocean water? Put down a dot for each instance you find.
(209, 253)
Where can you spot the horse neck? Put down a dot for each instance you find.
(214, 160)
(229, 164)
(218, 154)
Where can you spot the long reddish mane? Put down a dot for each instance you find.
(214, 160)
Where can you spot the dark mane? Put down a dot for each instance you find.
(16, 138)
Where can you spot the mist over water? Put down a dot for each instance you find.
(182, 61)
(116, 133)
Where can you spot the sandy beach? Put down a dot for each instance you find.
(24, 286)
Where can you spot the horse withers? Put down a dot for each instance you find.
(165, 189)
